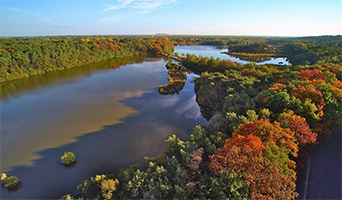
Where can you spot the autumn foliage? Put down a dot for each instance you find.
(310, 93)
(26, 57)
(245, 155)
(162, 46)
(300, 127)
(114, 47)
(270, 132)
(311, 74)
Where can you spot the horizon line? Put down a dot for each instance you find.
(165, 34)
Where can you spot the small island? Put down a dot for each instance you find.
(68, 158)
(176, 79)
(11, 183)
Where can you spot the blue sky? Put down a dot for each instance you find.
(200, 17)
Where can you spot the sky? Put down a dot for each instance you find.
(176, 17)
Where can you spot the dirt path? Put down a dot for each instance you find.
(323, 179)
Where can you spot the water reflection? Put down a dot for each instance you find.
(70, 166)
(36, 116)
(108, 118)
(190, 109)
(19, 87)
(206, 50)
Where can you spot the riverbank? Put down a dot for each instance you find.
(250, 54)
(173, 57)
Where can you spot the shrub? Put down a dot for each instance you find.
(11, 182)
(3, 176)
(108, 187)
(68, 158)
(67, 197)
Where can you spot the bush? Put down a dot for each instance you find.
(3, 176)
(66, 197)
(68, 158)
(11, 182)
(108, 187)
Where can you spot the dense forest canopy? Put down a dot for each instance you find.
(23, 57)
(263, 119)
(26, 56)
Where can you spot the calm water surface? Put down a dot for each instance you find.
(216, 53)
(109, 114)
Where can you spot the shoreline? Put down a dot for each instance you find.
(251, 54)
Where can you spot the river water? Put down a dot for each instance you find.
(219, 53)
(109, 114)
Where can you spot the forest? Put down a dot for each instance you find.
(26, 56)
(263, 119)
(23, 57)
(254, 48)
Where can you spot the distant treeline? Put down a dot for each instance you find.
(299, 50)
(26, 56)
(301, 53)
(229, 40)
(245, 47)
(23, 57)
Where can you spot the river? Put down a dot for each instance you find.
(216, 52)
(110, 117)
(109, 114)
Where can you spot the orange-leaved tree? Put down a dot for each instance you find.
(299, 126)
(270, 132)
(311, 74)
(264, 166)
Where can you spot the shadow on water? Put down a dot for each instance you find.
(70, 166)
(13, 189)
(54, 113)
(111, 148)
